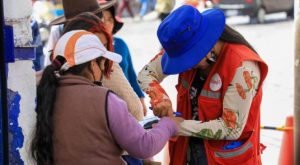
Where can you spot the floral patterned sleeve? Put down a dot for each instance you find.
(236, 105)
(150, 77)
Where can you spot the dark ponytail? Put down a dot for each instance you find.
(232, 36)
(41, 147)
(42, 144)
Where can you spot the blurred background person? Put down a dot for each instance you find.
(38, 62)
(143, 9)
(164, 8)
(113, 24)
(37, 42)
(117, 82)
(125, 4)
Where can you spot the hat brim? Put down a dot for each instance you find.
(113, 56)
(118, 25)
(215, 21)
(103, 6)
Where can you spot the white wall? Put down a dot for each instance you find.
(297, 83)
(21, 75)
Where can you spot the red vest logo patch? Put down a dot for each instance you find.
(215, 82)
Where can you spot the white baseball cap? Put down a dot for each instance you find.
(80, 46)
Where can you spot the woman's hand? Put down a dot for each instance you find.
(144, 106)
(163, 108)
(159, 100)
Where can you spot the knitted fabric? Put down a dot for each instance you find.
(120, 85)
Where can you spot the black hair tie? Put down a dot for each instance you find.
(58, 61)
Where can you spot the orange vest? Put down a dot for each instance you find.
(210, 108)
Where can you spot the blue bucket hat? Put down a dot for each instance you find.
(187, 36)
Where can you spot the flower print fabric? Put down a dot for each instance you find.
(150, 77)
(236, 105)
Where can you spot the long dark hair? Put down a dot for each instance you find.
(232, 36)
(42, 145)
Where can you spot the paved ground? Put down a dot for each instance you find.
(273, 41)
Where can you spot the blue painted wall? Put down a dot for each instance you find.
(16, 137)
(21, 91)
(21, 82)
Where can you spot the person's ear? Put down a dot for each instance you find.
(102, 64)
(92, 66)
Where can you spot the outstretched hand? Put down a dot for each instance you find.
(163, 108)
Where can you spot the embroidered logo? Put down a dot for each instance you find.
(215, 82)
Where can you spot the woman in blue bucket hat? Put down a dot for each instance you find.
(219, 88)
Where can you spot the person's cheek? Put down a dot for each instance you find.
(111, 27)
(203, 64)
